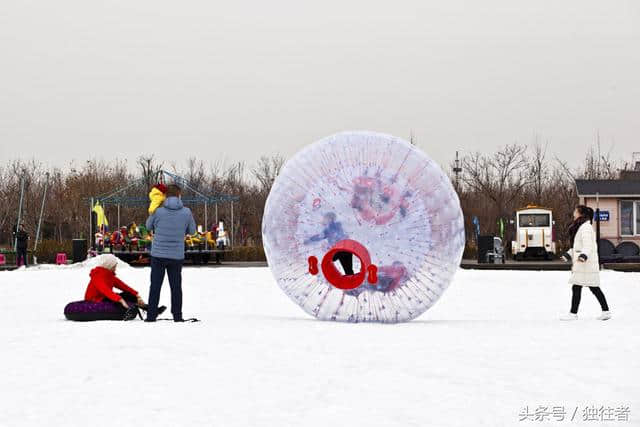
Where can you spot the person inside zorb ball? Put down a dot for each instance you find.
(363, 227)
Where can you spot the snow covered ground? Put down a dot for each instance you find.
(489, 348)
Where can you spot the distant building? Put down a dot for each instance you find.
(619, 203)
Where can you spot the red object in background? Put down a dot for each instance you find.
(161, 187)
(345, 282)
(243, 235)
(101, 286)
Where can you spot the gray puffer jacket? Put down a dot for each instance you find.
(170, 223)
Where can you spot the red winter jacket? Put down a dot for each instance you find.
(102, 282)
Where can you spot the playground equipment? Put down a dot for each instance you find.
(133, 241)
(363, 227)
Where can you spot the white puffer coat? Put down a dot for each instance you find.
(585, 273)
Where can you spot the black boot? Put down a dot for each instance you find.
(131, 313)
(161, 309)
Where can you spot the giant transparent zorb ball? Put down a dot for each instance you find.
(363, 227)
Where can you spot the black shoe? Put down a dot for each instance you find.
(178, 319)
(131, 313)
(161, 309)
(149, 320)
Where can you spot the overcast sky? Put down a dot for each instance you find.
(235, 80)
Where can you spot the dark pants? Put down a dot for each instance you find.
(577, 293)
(21, 254)
(173, 267)
(130, 299)
(218, 256)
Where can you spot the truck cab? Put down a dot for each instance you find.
(534, 234)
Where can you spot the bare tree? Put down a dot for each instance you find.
(500, 177)
(150, 169)
(267, 170)
(598, 166)
(539, 171)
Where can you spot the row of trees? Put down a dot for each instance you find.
(68, 197)
(491, 186)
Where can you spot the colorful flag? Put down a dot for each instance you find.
(501, 227)
(476, 222)
(101, 218)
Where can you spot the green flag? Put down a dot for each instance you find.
(501, 227)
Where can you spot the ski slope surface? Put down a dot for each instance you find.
(491, 352)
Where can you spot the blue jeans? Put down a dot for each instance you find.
(173, 267)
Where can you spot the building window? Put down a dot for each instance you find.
(629, 218)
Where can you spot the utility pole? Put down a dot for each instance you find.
(597, 213)
(15, 241)
(457, 169)
(44, 198)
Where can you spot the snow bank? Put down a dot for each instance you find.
(89, 263)
(489, 348)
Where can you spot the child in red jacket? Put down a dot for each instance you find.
(103, 280)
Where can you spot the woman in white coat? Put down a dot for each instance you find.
(585, 270)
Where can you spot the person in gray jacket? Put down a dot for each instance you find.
(169, 224)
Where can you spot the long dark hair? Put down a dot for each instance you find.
(586, 212)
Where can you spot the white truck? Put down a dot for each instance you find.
(535, 237)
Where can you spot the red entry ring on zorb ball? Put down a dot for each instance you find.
(340, 280)
(367, 198)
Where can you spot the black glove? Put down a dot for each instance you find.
(582, 257)
(566, 257)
